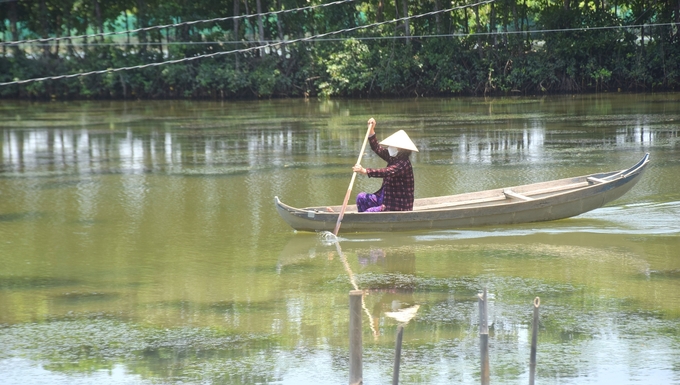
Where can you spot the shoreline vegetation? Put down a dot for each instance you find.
(294, 48)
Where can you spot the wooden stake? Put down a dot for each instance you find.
(355, 342)
(534, 340)
(484, 337)
(397, 355)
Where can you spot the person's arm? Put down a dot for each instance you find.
(373, 141)
(377, 148)
(395, 169)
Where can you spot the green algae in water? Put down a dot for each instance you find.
(84, 345)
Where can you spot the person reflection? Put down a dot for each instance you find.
(371, 257)
(396, 285)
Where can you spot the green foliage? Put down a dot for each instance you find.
(263, 77)
(531, 73)
(348, 69)
(399, 69)
(444, 66)
(580, 53)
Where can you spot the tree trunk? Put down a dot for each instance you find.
(478, 30)
(437, 20)
(279, 25)
(407, 28)
(127, 28)
(506, 17)
(677, 20)
(466, 26)
(379, 12)
(567, 5)
(141, 23)
(84, 37)
(98, 17)
(279, 21)
(13, 25)
(248, 19)
(524, 17)
(260, 22)
(58, 34)
(642, 21)
(515, 16)
(396, 15)
(45, 27)
(237, 12)
(492, 24)
(167, 41)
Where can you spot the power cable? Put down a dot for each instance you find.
(54, 39)
(279, 43)
(498, 33)
(310, 38)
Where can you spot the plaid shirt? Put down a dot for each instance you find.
(397, 185)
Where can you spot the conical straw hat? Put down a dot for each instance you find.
(400, 140)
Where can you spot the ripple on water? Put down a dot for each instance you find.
(639, 218)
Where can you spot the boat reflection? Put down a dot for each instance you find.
(387, 272)
(369, 251)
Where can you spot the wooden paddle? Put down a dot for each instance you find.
(371, 124)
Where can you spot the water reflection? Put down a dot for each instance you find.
(390, 290)
(292, 158)
(167, 150)
(393, 288)
(558, 268)
(484, 148)
(140, 239)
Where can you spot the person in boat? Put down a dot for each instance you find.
(397, 190)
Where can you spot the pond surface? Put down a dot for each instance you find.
(139, 243)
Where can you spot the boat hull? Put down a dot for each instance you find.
(537, 202)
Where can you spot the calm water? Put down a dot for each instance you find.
(139, 243)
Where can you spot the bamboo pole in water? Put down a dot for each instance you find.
(355, 343)
(484, 337)
(534, 340)
(397, 355)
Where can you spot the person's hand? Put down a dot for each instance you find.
(359, 169)
(371, 126)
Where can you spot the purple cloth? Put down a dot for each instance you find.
(370, 203)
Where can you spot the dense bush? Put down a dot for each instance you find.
(490, 50)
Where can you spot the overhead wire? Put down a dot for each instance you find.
(243, 50)
(320, 37)
(368, 38)
(175, 25)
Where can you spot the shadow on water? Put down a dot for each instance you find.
(75, 298)
(63, 184)
(217, 307)
(33, 283)
(665, 274)
(24, 216)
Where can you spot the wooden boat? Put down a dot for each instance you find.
(544, 201)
